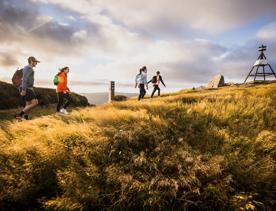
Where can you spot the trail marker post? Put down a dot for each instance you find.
(111, 91)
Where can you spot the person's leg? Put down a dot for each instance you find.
(158, 88)
(68, 100)
(30, 99)
(140, 92)
(30, 105)
(60, 101)
(143, 91)
(154, 90)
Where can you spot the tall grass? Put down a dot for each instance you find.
(193, 150)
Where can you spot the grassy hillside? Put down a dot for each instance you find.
(193, 150)
(10, 98)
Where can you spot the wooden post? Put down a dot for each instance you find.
(111, 91)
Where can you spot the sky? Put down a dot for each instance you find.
(102, 40)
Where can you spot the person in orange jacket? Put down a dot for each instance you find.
(63, 91)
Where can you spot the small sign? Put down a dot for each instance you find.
(261, 62)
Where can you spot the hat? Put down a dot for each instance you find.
(33, 59)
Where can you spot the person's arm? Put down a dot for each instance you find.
(150, 81)
(66, 84)
(26, 74)
(67, 89)
(162, 81)
(136, 81)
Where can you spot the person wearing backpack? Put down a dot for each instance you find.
(156, 82)
(141, 82)
(24, 80)
(60, 81)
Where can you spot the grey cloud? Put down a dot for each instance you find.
(188, 17)
(174, 20)
(189, 72)
(170, 30)
(18, 20)
(56, 32)
(7, 60)
(17, 12)
(198, 67)
(240, 59)
(161, 27)
(234, 63)
(15, 16)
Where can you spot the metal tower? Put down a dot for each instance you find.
(260, 63)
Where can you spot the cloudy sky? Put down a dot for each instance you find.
(103, 40)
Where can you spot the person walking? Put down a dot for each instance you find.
(26, 89)
(141, 82)
(63, 91)
(156, 82)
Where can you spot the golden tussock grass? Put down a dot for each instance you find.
(204, 150)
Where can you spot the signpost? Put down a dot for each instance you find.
(111, 91)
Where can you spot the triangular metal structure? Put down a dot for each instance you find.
(260, 63)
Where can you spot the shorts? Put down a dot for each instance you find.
(30, 95)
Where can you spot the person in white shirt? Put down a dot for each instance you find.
(141, 82)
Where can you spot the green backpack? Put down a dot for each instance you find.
(56, 80)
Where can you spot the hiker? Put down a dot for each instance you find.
(141, 82)
(26, 88)
(156, 81)
(63, 91)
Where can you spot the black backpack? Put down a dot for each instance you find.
(154, 79)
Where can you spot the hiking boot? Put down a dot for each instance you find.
(18, 117)
(63, 111)
(21, 118)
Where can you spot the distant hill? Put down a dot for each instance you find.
(102, 97)
(10, 98)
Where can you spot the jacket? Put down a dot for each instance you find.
(154, 78)
(62, 85)
(28, 78)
